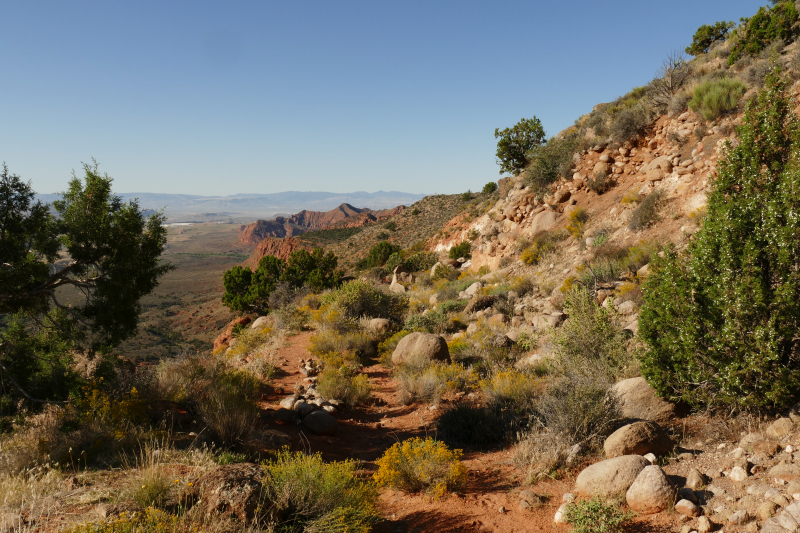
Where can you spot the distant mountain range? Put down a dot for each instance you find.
(189, 207)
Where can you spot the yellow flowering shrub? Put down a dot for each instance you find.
(631, 198)
(510, 387)
(577, 222)
(148, 521)
(422, 465)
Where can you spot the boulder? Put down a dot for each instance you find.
(420, 346)
(601, 168)
(612, 477)
(288, 402)
(321, 423)
(780, 428)
(546, 321)
(785, 522)
(544, 221)
(227, 491)
(437, 266)
(627, 308)
(738, 474)
(396, 287)
(498, 319)
(638, 438)
(380, 324)
(651, 491)
(479, 303)
(261, 322)
(784, 471)
(638, 400)
(473, 289)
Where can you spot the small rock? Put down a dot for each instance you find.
(739, 517)
(568, 497)
(766, 510)
(738, 474)
(687, 494)
(703, 524)
(651, 457)
(695, 480)
(687, 508)
(560, 518)
(502, 510)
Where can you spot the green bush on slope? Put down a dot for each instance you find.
(721, 319)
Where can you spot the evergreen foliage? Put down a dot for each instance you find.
(516, 143)
(90, 302)
(767, 26)
(248, 291)
(706, 35)
(461, 250)
(378, 255)
(720, 320)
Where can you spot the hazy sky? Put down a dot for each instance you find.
(229, 97)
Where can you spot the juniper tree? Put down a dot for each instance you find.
(69, 282)
(721, 320)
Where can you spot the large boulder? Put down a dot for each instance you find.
(419, 346)
(320, 423)
(639, 438)
(651, 491)
(612, 477)
(479, 303)
(638, 400)
(227, 491)
(381, 325)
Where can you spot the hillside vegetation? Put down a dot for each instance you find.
(603, 340)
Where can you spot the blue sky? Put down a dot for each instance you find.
(232, 97)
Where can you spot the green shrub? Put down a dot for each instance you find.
(358, 298)
(395, 260)
(344, 384)
(378, 255)
(551, 160)
(707, 35)
(461, 250)
(391, 225)
(579, 411)
(597, 516)
(600, 182)
(303, 493)
(452, 306)
(432, 322)
(489, 188)
(590, 340)
(382, 236)
(647, 211)
(249, 291)
(417, 465)
(329, 340)
(720, 320)
(420, 261)
(229, 409)
(766, 26)
(630, 123)
(516, 143)
(715, 97)
(149, 521)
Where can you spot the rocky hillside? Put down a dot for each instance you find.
(343, 216)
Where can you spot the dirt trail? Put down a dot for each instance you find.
(365, 433)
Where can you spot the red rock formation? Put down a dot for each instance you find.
(224, 339)
(344, 216)
(281, 248)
